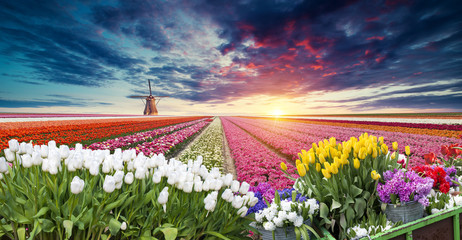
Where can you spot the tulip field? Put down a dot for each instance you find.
(132, 170)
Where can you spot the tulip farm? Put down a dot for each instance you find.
(229, 177)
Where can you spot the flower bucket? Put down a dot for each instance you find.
(406, 212)
(280, 233)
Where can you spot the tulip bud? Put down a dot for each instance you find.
(13, 145)
(318, 167)
(228, 179)
(283, 166)
(3, 166)
(163, 196)
(123, 226)
(129, 178)
(109, 184)
(9, 155)
(188, 186)
(301, 170)
(64, 151)
(157, 177)
(235, 186)
(198, 186)
(227, 195)
(78, 147)
(242, 211)
(395, 146)
(77, 185)
(356, 163)
(26, 161)
(44, 151)
(244, 188)
(408, 150)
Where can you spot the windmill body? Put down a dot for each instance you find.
(150, 104)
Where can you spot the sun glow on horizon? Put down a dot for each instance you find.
(277, 113)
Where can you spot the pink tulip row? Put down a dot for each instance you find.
(165, 143)
(290, 137)
(125, 141)
(452, 127)
(254, 162)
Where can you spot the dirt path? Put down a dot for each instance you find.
(228, 164)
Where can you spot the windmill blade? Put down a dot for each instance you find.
(160, 96)
(138, 96)
(149, 81)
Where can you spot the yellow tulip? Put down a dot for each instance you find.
(337, 161)
(374, 152)
(283, 166)
(356, 163)
(369, 149)
(326, 173)
(312, 158)
(340, 147)
(321, 158)
(320, 144)
(306, 167)
(327, 166)
(375, 175)
(318, 167)
(333, 152)
(408, 150)
(326, 143)
(344, 159)
(334, 168)
(395, 146)
(362, 153)
(393, 155)
(332, 141)
(314, 146)
(297, 162)
(384, 148)
(301, 170)
(381, 140)
(366, 136)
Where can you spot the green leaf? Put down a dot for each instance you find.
(360, 206)
(21, 233)
(217, 234)
(68, 226)
(114, 226)
(323, 210)
(42, 212)
(355, 191)
(335, 205)
(47, 225)
(350, 215)
(343, 221)
(170, 233)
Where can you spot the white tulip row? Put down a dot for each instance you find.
(185, 177)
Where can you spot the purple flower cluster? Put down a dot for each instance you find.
(451, 175)
(287, 194)
(403, 186)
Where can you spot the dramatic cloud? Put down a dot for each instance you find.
(218, 51)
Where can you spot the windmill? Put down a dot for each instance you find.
(150, 104)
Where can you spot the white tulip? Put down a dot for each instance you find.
(94, 168)
(36, 158)
(129, 178)
(228, 179)
(126, 155)
(269, 226)
(218, 184)
(3, 165)
(157, 177)
(29, 148)
(163, 198)
(210, 205)
(22, 148)
(77, 185)
(243, 211)
(52, 144)
(244, 188)
(9, 155)
(140, 173)
(27, 161)
(253, 201)
(237, 202)
(235, 186)
(13, 145)
(198, 186)
(78, 147)
(118, 185)
(119, 176)
(206, 186)
(172, 178)
(44, 151)
(130, 166)
(228, 195)
(109, 184)
(64, 151)
(123, 226)
(188, 187)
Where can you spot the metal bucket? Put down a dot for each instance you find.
(287, 233)
(406, 212)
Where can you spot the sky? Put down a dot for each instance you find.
(240, 57)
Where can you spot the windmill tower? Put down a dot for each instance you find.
(150, 104)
